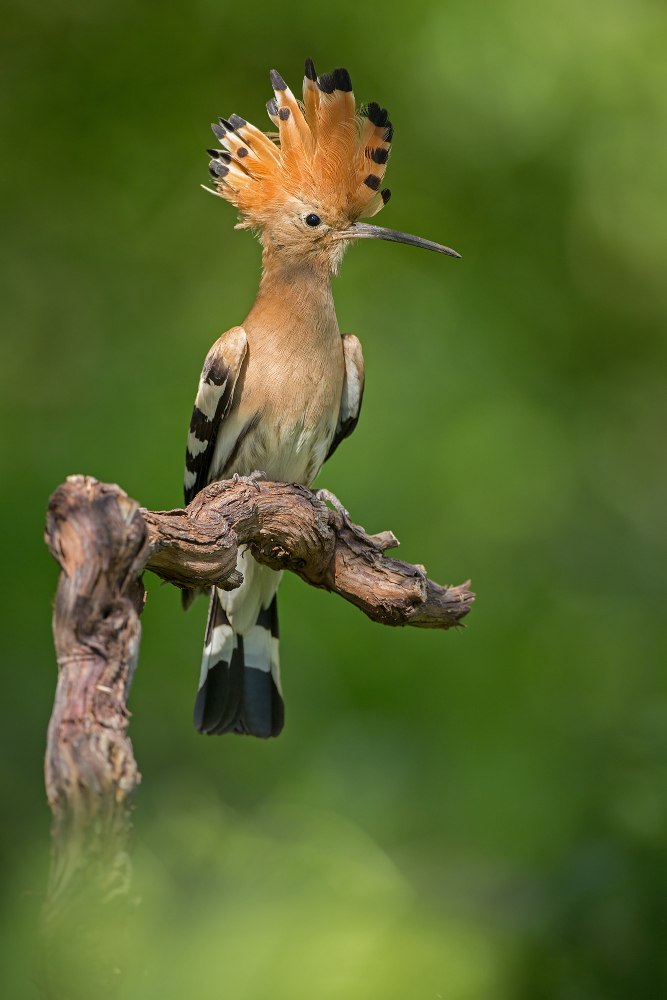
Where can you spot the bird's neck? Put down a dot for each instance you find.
(294, 296)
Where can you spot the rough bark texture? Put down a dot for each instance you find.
(290, 527)
(100, 540)
(103, 542)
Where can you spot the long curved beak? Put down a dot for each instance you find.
(362, 231)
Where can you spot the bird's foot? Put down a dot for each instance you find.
(381, 542)
(328, 496)
(250, 480)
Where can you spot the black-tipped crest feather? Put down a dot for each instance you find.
(321, 158)
(377, 115)
(326, 83)
(310, 70)
(277, 81)
(342, 81)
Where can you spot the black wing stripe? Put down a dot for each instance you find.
(205, 431)
(200, 424)
(213, 403)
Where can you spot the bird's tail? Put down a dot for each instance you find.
(239, 686)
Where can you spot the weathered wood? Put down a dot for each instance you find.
(100, 540)
(103, 542)
(289, 527)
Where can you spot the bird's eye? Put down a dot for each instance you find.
(313, 220)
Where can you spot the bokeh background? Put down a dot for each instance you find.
(478, 815)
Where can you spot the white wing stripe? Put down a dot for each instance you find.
(208, 396)
(195, 446)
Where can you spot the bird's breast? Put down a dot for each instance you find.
(287, 401)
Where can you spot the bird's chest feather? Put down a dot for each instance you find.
(291, 393)
(296, 377)
(287, 399)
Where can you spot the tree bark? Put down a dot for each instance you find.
(100, 540)
(103, 542)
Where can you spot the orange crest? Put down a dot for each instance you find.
(329, 156)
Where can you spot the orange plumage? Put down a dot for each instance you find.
(330, 155)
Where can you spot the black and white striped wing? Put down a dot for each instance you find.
(213, 403)
(353, 391)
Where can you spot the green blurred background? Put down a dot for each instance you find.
(474, 816)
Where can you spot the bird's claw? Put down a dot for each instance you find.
(250, 480)
(327, 495)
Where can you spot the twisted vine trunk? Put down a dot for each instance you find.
(100, 540)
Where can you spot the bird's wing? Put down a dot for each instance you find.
(353, 391)
(213, 403)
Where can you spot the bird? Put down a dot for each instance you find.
(282, 390)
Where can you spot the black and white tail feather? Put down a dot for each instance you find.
(239, 686)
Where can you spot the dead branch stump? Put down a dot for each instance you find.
(100, 540)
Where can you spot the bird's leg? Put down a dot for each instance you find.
(385, 540)
(327, 495)
(250, 480)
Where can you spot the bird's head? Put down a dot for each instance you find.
(306, 186)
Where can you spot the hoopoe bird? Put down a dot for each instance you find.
(280, 392)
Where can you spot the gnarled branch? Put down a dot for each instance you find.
(287, 526)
